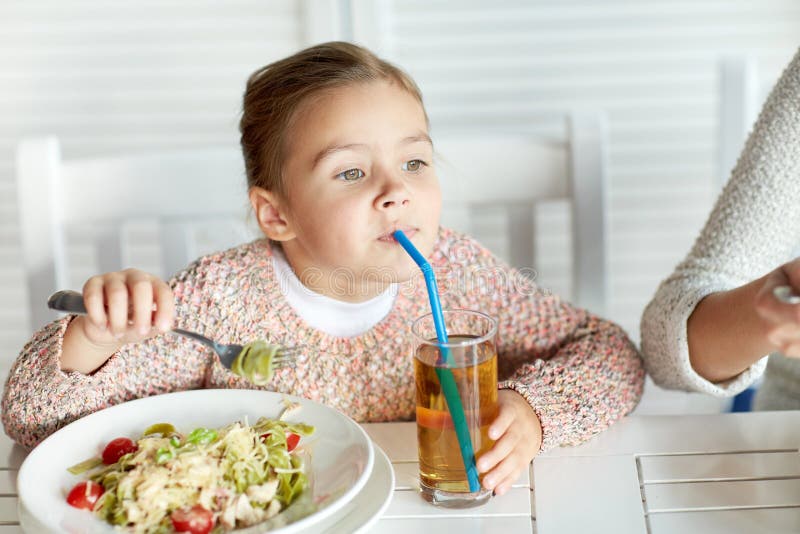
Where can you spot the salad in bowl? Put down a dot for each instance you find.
(210, 460)
(227, 478)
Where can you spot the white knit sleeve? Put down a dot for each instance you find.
(753, 228)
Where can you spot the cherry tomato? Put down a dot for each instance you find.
(117, 448)
(292, 440)
(196, 520)
(84, 495)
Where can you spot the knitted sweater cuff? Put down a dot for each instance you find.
(552, 413)
(669, 363)
(22, 407)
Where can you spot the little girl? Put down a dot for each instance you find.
(338, 156)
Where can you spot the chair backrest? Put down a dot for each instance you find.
(517, 171)
(188, 191)
(191, 195)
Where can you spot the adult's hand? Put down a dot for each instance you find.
(781, 320)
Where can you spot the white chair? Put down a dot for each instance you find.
(182, 191)
(518, 170)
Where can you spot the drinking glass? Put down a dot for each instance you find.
(472, 360)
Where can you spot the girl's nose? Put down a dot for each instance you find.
(394, 194)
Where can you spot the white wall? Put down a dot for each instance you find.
(115, 77)
(111, 77)
(651, 65)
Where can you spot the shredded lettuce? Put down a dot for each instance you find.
(243, 474)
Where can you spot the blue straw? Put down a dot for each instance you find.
(445, 375)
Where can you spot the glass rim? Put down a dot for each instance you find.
(471, 341)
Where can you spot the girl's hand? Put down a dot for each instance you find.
(781, 320)
(126, 307)
(519, 435)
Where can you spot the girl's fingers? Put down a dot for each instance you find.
(501, 449)
(141, 294)
(506, 484)
(93, 300)
(508, 468)
(116, 297)
(123, 303)
(165, 306)
(504, 443)
(504, 419)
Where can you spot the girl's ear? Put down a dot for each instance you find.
(270, 214)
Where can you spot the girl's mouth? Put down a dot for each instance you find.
(389, 236)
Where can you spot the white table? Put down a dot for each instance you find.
(511, 513)
(11, 457)
(646, 475)
(724, 473)
(408, 512)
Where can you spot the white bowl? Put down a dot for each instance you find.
(341, 453)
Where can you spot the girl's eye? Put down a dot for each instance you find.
(350, 175)
(414, 165)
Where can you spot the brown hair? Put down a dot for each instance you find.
(275, 92)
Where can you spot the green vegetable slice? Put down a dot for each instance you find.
(254, 362)
(201, 436)
(85, 465)
(165, 429)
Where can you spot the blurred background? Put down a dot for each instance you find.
(679, 83)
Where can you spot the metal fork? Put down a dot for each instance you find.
(72, 302)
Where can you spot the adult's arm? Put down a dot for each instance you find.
(701, 331)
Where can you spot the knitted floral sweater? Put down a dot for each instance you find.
(578, 372)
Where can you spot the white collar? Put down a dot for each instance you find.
(331, 316)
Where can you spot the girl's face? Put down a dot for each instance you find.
(359, 166)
